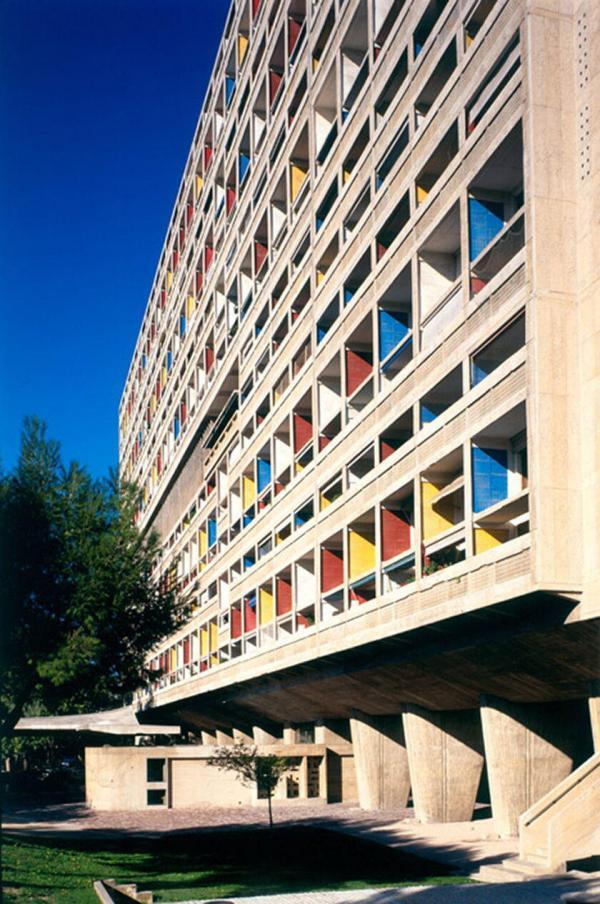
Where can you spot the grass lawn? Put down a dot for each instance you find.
(207, 865)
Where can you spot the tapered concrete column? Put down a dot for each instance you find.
(242, 737)
(224, 738)
(445, 758)
(289, 734)
(380, 760)
(528, 750)
(208, 737)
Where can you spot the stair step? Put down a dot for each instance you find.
(512, 870)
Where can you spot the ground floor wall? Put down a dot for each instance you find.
(140, 778)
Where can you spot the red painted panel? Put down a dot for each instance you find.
(274, 83)
(283, 591)
(175, 258)
(323, 441)
(386, 449)
(303, 621)
(236, 623)
(230, 199)
(183, 412)
(249, 617)
(477, 284)
(302, 430)
(332, 569)
(255, 7)
(207, 155)
(293, 32)
(199, 281)
(395, 534)
(260, 253)
(358, 368)
(208, 256)
(209, 357)
(186, 651)
(189, 213)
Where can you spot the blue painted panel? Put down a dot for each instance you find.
(182, 325)
(393, 327)
(229, 88)
(248, 561)
(486, 219)
(211, 525)
(248, 517)
(169, 360)
(176, 427)
(490, 477)
(244, 163)
(263, 473)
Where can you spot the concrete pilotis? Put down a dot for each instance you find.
(381, 762)
(445, 756)
(528, 750)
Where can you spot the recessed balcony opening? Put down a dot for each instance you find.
(246, 284)
(360, 144)
(299, 163)
(357, 212)
(427, 24)
(283, 592)
(282, 453)
(397, 523)
(259, 119)
(394, 315)
(282, 532)
(440, 287)
(329, 392)
(393, 153)
(296, 29)
(325, 110)
(331, 492)
(437, 164)
(496, 211)
(301, 251)
(476, 20)
(326, 260)
(394, 436)
(362, 552)
(327, 204)
(276, 71)
(498, 350)
(496, 82)
(499, 462)
(300, 302)
(357, 277)
(244, 159)
(304, 514)
(301, 358)
(354, 59)
(302, 421)
(323, 38)
(327, 319)
(391, 89)
(441, 396)
(442, 512)
(261, 249)
(385, 15)
(360, 466)
(359, 368)
(332, 576)
(436, 82)
(304, 588)
(393, 226)
(297, 101)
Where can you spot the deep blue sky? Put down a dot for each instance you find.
(99, 101)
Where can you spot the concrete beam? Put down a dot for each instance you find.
(380, 760)
(445, 758)
(594, 708)
(529, 748)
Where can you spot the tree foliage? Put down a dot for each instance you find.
(79, 605)
(254, 769)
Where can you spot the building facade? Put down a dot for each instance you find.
(364, 403)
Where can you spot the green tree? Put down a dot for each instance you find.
(79, 605)
(253, 768)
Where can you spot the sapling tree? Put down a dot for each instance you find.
(253, 768)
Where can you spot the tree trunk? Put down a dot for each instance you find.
(269, 796)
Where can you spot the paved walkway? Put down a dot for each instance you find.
(542, 891)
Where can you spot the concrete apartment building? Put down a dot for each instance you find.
(364, 410)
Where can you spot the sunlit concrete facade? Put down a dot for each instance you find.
(363, 407)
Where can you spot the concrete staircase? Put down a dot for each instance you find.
(563, 825)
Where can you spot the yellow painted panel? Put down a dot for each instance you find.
(203, 641)
(213, 636)
(468, 40)
(320, 277)
(298, 176)
(488, 539)
(422, 194)
(433, 522)
(248, 491)
(163, 376)
(361, 552)
(169, 279)
(242, 48)
(214, 660)
(153, 404)
(154, 474)
(315, 64)
(203, 541)
(199, 184)
(267, 606)
(346, 175)
(191, 305)
(173, 658)
(324, 501)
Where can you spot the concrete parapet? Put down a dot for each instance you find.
(445, 757)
